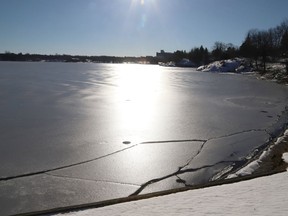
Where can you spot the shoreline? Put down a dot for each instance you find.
(272, 158)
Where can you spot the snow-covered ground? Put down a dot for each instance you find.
(261, 196)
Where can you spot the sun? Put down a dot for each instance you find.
(142, 2)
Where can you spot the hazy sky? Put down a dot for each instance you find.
(130, 27)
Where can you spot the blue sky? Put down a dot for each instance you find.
(130, 27)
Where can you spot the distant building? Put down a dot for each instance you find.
(162, 55)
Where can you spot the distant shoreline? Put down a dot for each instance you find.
(76, 58)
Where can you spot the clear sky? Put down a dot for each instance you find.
(130, 27)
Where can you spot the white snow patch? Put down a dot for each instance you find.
(261, 196)
(231, 65)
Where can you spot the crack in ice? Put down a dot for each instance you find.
(62, 167)
(182, 169)
(174, 141)
(91, 180)
(143, 186)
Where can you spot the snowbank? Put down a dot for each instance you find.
(231, 65)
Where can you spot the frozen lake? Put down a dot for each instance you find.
(90, 132)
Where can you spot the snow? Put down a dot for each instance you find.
(261, 196)
(231, 65)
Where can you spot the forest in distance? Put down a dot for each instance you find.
(260, 46)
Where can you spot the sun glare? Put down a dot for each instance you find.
(138, 93)
(142, 2)
(138, 83)
(140, 14)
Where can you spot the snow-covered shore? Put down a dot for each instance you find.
(230, 65)
(265, 158)
(275, 71)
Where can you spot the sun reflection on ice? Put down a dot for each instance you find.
(139, 89)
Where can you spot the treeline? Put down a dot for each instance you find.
(201, 55)
(267, 45)
(8, 56)
(261, 46)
